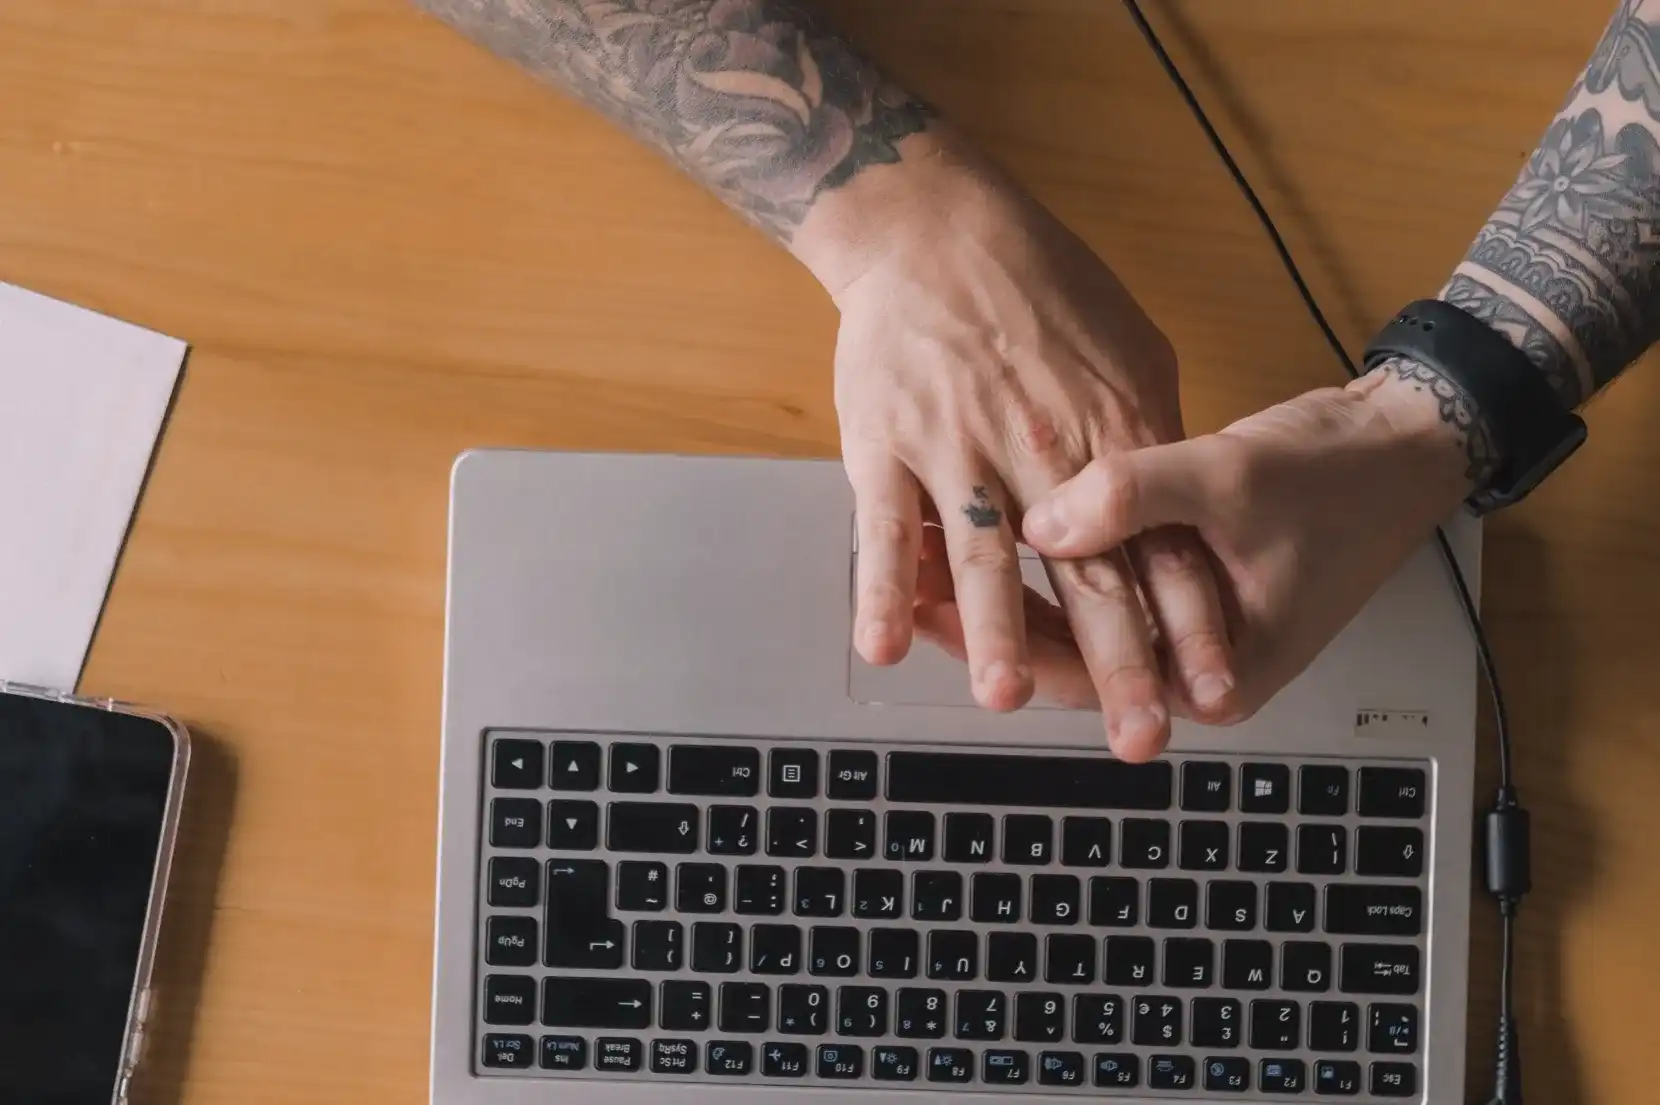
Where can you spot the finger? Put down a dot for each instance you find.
(985, 573)
(1118, 496)
(888, 517)
(1058, 671)
(933, 573)
(1180, 584)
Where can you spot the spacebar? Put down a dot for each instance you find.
(1073, 782)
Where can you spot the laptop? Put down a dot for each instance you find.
(693, 851)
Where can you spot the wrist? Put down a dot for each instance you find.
(1428, 419)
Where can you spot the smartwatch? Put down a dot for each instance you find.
(1531, 431)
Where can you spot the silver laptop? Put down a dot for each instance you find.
(693, 851)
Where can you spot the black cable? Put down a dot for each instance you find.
(1507, 841)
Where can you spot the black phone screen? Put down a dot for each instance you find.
(83, 800)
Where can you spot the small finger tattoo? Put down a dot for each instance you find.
(981, 511)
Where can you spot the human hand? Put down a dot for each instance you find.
(1308, 508)
(985, 356)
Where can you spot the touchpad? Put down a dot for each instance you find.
(927, 676)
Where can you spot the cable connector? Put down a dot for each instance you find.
(1509, 878)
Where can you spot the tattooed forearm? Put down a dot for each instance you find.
(1455, 408)
(1568, 267)
(758, 100)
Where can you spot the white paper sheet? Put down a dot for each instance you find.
(82, 402)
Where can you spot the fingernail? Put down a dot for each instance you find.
(1141, 724)
(1210, 688)
(878, 633)
(1044, 523)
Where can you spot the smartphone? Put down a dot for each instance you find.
(90, 792)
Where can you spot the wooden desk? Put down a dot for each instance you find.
(386, 247)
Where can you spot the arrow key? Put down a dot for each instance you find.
(573, 826)
(635, 768)
(516, 764)
(574, 765)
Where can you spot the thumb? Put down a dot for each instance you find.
(1117, 497)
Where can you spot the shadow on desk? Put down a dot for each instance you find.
(204, 834)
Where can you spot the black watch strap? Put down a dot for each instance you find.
(1530, 430)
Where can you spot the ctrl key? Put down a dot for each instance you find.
(564, 1053)
(508, 1052)
(617, 1053)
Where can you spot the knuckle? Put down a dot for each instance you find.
(1094, 581)
(889, 532)
(1174, 561)
(987, 557)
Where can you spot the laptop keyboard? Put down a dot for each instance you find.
(931, 917)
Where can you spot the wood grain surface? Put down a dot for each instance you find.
(385, 247)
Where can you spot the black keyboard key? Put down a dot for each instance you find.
(895, 953)
(1264, 846)
(1098, 1019)
(1055, 899)
(968, 837)
(509, 1000)
(850, 834)
(1322, 849)
(577, 927)
(573, 826)
(1039, 1017)
(1005, 1067)
(1130, 960)
(1069, 959)
(715, 770)
(1247, 965)
(1172, 903)
(1011, 957)
(1204, 846)
(1227, 1074)
(574, 765)
(717, 948)
(669, 828)
(642, 886)
(673, 1057)
(1333, 1026)
(879, 894)
(784, 1060)
(996, 898)
(820, 892)
(596, 1003)
(1217, 1022)
(1157, 1021)
(1337, 1078)
(1066, 782)
(834, 952)
(1290, 907)
(937, 896)
(510, 942)
(894, 1064)
(1170, 1072)
(981, 1014)
(733, 830)
(1207, 787)
(910, 836)
(803, 1010)
(792, 831)
(515, 823)
(1028, 839)
(659, 946)
(1305, 967)
(774, 950)
(1189, 962)
(507, 1051)
(687, 1006)
(515, 882)
(621, 1054)
(1323, 790)
(1394, 1080)
(636, 769)
(1060, 1068)
(921, 1014)
(564, 1053)
(854, 776)
(745, 1007)
(1392, 851)
(1275, 1025)
(1380, 969)
(1144, 844)
(700, 888)
(1117, 1070)
(731, 1058)
(1391, 792)
(862, 1011)
(1264, 788)
(1231, 906)
(950, 1064)
(760, 891)
(792, 773)
(517, 765)
(841, 1061)
(1287, 1076)
(1392, 1029)
(1086, 842)
(953, 955)
(1114, 901)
